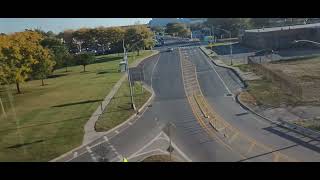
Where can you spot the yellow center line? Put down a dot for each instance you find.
(199, 106)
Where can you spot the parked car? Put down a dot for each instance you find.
(264, 52)
(170, 49)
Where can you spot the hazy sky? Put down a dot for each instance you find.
(8, 25)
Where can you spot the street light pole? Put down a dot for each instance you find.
(170, 144)
(129, 78)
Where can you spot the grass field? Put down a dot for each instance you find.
(119, 108)
(244, 67)
(267, 94)
(47, 121)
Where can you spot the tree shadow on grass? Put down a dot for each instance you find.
(24, 144)
(108, 71)
(56, 75)
(106, 59)
(76, 103)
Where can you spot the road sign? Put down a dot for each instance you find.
(136, 74)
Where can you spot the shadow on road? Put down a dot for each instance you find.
(297, 140)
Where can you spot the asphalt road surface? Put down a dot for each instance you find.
(281, 140)
(163, 74)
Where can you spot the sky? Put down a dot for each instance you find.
(9, 25)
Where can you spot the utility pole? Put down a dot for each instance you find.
(129, 78)
(170, 149)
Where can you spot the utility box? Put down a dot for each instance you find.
(122, 66)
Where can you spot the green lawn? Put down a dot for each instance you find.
(51, 117)
(119, 108)
(244, 67)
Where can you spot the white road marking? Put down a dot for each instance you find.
(93, 158)
(130, 123)
(149, 143)
(148, 152)
(116, 131)
(75, 154)
(112, 147)
(88, 149)
(118, 157)
(210, 63)
(153, 70)
(105, 138)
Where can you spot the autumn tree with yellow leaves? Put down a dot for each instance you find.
(21, 54)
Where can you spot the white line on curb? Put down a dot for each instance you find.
(88, 149)
(105, 138)
(210, 63)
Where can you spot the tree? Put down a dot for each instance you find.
(158, 29)
(84, 37)
(175, 28)
(58, 50)
(230, 24)
(85, 59)
(138, 37)
(116, 35)
(260, 22)
(43, 66)
(68, 39)
(19, 51)
(68, 61)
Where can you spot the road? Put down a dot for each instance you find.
(217, 82)
(148, 132)
(163, 73)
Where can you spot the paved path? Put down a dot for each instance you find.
(89, 129)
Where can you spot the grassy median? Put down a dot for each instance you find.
(47, 121)
(119, 109)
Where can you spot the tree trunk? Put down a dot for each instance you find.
(138, 52)
(66, 68)
(18, 87)
(42, 83)
(84, 68)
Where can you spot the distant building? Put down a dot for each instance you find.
(165, 21)
(280, 37)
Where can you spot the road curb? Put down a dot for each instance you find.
(118, 126)
(228, 67)
(293, 127)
